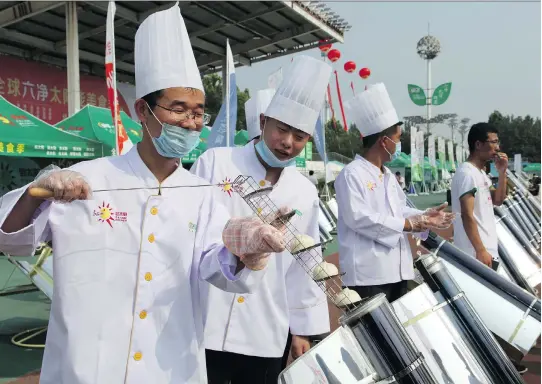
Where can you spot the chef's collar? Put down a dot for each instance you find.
(375, 171)
(256, 168)
(145, 178)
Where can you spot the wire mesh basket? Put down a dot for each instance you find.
(309, 257)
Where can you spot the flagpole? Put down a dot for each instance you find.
(227, 96)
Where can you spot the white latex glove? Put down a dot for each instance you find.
(64, 185)
(432, 218)
(252, 240)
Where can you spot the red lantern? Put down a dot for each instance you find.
(349, 66)
(325, 47)
(334, 55)
(364, 73)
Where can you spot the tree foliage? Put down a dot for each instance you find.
(213, 99)
(339, 141)
(518, 135)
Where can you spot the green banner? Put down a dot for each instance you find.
(308, 151)
(417, 95)
(416, 173)
(434, 173)
(441, 94)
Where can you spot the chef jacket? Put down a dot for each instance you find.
(126, 304)
(373, 250)
(256, 324)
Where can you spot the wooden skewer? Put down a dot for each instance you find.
(41, 193)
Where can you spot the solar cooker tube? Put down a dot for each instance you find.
(489, 277)
(520, 220)
(523, 205)
(494, 361)
(512, 227)
(386, 344)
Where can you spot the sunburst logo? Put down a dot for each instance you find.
(4, 120)
(227, 186)
(371, 185)
(106, 214)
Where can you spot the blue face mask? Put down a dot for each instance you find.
(269, 157)
(174, 142)
(397, 152)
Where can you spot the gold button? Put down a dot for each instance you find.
(240, 299)
(154, 211)
(142, 315)
(138, 356)
(151, 238)
(148, 276)
(262, 183)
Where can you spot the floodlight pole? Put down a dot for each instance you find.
(72, 58)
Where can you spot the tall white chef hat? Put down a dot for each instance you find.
(372, 110)
(255, 106)
(300, 96)
(163, 54)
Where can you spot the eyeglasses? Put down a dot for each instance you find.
(181, 116)
(498, 142)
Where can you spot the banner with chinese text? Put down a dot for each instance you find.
(432, 157)
(415, 169)
(22, 134)
(420, 151)
(451, 154)
(42, 90)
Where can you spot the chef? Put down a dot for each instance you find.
(373, 216)
(129, 257)
(245, 335)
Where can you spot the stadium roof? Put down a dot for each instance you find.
(257, 30)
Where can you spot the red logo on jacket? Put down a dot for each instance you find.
(107, 214)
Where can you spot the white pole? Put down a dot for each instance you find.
(429, 96)
(72, 56)
(227, 98)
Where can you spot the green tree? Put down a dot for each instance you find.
(518, 135)
(339, 141)
(213, 99)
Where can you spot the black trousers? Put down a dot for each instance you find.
(234, 368)
(393, 291)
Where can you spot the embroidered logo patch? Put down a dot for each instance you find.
(228, 187)
(107, 214)
(371, 185)
(192, 227)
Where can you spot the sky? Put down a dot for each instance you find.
(490, 51)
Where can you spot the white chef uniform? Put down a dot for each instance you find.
(254, 107)
(373, 250)
(257, 324)
(128, 266)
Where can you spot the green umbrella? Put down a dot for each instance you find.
(533, 167)
(96, 123)
(241, 138)
(22, 134)
(400, 162)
